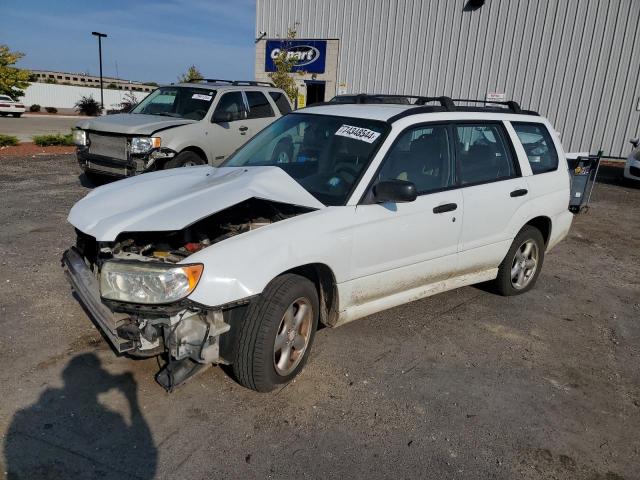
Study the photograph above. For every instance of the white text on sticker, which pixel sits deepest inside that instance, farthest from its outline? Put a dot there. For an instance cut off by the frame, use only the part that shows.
(199, 96)
(358, 133)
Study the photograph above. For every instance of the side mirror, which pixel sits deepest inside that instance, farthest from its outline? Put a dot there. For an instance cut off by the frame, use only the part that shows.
(397, 191)
(635, 142)
(222, 117)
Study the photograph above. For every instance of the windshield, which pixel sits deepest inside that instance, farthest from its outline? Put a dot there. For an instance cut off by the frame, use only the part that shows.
(4, 98)
(327, 155)
(179, 102)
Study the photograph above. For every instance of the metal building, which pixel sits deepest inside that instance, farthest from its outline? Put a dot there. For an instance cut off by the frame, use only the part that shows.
(576, 62)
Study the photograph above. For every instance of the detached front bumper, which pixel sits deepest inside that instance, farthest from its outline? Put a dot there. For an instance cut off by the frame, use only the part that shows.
(85, 285)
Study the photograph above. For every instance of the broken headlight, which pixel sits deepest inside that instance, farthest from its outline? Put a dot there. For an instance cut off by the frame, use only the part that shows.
(140, 145)
(148, 283)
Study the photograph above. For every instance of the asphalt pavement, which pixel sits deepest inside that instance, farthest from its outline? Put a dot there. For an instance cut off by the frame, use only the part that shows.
(29, 125)
(462, 385)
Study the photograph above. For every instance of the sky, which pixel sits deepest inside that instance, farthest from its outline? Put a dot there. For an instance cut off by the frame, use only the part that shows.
(148, 40)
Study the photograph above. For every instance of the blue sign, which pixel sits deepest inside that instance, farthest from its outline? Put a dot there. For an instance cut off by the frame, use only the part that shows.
(310, 55)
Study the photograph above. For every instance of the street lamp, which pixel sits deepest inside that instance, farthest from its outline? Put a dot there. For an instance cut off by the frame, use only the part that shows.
(100, 35)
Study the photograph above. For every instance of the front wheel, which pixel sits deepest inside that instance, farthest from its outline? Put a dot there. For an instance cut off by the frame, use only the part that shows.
(521, 267)
(184, 159)
(275, 338)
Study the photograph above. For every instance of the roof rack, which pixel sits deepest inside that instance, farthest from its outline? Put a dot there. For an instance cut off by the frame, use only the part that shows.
(250, 83)
(446, 104)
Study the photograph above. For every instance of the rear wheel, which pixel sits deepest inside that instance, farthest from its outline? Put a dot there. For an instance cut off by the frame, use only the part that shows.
(17, 115)
(519, 270)
(275, 337)
(185, 159)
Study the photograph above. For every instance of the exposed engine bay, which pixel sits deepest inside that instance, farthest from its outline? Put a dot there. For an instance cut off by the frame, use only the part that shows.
(175, 246)
(192, 335)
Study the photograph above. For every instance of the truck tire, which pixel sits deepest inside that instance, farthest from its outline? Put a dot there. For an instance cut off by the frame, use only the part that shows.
(275, 337)
(16, 115)
(521, 267)
(185, 159)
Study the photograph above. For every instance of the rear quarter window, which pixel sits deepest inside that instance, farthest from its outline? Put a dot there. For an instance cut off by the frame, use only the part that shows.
(538, 145)
(281, 102)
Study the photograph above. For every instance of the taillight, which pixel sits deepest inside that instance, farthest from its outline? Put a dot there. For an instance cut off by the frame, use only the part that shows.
(20, 105)
(5, 105)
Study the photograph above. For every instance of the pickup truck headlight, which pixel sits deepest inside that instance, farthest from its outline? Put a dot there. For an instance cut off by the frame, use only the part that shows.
(80, 138)
(144, 144)
(148, 283)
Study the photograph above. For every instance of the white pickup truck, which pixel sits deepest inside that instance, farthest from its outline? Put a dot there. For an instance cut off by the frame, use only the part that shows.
(378, 205)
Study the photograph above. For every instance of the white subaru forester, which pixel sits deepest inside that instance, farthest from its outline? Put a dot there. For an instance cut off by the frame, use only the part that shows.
(378, 205)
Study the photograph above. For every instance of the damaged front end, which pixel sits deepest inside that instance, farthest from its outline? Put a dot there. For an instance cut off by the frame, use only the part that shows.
(136, 289)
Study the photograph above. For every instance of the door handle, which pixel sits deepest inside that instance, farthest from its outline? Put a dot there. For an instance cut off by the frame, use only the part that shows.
(243, 129)
(519, 193)
(447, 207)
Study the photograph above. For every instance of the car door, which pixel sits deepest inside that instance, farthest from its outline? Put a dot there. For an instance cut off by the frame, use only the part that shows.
(400, 247)
(260, 112)
(228, 129)
(494, 192)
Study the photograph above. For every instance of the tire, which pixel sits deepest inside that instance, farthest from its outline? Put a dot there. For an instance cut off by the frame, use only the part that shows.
(3, 114)
(507, 284)
(16, 115)
(184, 159)
(258, 364)
(283, 153)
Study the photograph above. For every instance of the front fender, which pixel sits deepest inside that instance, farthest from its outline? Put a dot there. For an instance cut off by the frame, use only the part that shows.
(242, 266)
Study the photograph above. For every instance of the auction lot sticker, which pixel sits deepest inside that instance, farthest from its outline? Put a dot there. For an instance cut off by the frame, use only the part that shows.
(358, 133)
(199, 96)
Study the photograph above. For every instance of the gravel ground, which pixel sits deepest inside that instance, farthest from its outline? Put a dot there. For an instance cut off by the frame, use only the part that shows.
(465, 384)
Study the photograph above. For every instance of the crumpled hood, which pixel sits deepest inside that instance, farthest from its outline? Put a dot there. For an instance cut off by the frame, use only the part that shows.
(173, 199)
(131, 123)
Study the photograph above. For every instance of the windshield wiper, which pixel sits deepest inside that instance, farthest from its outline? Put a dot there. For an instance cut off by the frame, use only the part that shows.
(167, 114)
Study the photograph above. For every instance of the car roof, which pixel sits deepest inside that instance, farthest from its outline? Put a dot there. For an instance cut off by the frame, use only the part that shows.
(378, 111)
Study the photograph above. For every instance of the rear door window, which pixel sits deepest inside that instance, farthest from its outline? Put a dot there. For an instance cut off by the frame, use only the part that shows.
(259, 106)
(538, 145)
(232, 103)
(281, 102)
(483, 153)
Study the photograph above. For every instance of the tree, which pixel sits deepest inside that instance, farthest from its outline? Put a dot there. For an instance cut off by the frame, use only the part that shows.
(192, 75)
(88, 106)
(13, 80)
(284, 64)
(129, 102)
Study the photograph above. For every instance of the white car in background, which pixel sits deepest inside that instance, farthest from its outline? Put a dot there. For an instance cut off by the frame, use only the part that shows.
(632, 167)
(8, 106)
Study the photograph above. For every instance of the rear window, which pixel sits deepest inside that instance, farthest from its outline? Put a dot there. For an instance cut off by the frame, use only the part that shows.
(538, 145)
(259, 106)
(281, 102)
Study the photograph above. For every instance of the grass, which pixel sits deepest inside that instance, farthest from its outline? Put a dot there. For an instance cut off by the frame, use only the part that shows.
(8, 140)
(55, 139)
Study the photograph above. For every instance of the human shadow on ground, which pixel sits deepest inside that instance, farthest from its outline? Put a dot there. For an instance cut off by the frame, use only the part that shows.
(68, 433)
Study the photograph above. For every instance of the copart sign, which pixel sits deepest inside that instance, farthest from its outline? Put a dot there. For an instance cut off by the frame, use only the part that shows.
(310, 55)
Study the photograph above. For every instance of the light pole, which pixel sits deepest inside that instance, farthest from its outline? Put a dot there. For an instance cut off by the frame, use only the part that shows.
(100, 35)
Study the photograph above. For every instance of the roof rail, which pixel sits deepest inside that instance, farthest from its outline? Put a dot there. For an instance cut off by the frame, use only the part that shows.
(251, 83)
(447, 103)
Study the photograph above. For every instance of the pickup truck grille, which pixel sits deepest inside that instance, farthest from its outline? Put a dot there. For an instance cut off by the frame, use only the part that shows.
(108, 146)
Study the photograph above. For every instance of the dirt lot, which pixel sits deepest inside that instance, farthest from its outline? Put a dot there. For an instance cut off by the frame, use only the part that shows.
(462, 385)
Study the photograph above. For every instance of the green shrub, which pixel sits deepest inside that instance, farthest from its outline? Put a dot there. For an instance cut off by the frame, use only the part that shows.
(88, 106)
(34, 108)
(54, 139)
(8, 140)
(51, 109)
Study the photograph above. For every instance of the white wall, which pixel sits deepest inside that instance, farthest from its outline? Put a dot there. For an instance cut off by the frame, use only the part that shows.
(66, 96)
